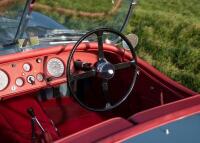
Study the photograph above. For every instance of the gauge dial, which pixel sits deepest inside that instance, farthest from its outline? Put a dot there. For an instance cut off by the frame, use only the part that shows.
(27, 67)
(55, 67)
(40, 77)
(3, 80)
(19, 82)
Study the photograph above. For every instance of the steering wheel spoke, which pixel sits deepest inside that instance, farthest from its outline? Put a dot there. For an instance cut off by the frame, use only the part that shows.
(100, 45)
(84, 75)
(105, 90)
(124, 65)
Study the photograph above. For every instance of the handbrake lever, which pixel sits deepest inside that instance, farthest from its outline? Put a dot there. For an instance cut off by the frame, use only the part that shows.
(31, 112)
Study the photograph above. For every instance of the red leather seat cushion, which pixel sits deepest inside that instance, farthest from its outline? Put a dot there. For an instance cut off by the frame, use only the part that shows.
(98, 131)
(164, 109)
(15, 123)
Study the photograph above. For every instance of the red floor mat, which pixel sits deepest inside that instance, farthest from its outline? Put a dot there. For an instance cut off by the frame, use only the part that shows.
(68, 116)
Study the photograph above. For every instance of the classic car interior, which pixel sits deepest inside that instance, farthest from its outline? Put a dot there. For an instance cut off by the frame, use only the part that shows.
(83, 91)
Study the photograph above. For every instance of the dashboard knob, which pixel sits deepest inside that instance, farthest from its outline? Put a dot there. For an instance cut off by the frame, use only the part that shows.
(38, 60)
(19, 82)
(31, 79)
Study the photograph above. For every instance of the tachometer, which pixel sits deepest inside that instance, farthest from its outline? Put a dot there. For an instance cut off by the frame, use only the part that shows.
(55, 67)
(3, 80)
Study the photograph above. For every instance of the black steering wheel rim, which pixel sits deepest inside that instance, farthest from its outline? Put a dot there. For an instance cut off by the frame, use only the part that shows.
(71, 55)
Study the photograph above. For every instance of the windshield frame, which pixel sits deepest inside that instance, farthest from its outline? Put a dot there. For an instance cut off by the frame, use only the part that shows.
(130, 11)
(23, 21)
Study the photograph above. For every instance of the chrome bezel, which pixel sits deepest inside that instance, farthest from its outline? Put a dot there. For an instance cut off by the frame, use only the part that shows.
(19, 81)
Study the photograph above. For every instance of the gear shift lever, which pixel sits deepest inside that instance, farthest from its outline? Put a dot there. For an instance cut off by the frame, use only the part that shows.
(31, 112)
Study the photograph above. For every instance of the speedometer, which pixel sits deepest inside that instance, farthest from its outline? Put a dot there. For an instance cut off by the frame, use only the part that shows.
(3, 80)
(55, 67)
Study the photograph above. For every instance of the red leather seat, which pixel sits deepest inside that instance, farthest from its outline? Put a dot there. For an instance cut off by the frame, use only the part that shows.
(97, 132)
(15, 123)
(164, 109)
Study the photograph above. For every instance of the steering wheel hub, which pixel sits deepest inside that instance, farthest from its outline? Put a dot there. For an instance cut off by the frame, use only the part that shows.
(105, 70)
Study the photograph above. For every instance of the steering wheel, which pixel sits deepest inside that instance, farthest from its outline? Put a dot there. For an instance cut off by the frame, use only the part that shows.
(103, 69)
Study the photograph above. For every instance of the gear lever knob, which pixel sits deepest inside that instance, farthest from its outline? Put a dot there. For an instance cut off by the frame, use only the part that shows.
(31, 112)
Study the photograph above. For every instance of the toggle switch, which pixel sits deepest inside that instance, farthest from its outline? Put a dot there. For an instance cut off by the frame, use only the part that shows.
(31, 79)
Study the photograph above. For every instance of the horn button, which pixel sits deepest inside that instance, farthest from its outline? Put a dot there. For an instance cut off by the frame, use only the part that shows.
(105, 70)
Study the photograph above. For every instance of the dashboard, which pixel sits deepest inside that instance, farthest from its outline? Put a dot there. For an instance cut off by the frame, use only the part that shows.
(21, 73)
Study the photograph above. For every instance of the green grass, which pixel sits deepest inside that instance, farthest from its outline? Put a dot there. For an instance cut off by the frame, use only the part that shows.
(169, 33)
(82, 5)
(78, 14)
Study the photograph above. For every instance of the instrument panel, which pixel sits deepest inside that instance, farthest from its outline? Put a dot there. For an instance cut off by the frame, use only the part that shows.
(22, 76)
(40, 70)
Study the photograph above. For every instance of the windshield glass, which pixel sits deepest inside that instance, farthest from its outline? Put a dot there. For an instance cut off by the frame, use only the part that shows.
(80, 16)
(61, 20)
(11, 12)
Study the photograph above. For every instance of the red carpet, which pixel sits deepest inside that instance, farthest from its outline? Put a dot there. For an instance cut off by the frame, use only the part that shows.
(68, 116)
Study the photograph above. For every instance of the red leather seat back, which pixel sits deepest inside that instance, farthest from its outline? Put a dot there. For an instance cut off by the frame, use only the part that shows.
(15, 123)
(165, 109)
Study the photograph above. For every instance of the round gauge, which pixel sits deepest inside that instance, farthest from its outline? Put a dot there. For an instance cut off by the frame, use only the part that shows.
(19, 82)
(3, 80)
(40, 77)
(55, 67)
(27, 67)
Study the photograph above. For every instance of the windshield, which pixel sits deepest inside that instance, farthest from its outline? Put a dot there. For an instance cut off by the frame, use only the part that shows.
(61, 20)
(11, 12)
(80, 16)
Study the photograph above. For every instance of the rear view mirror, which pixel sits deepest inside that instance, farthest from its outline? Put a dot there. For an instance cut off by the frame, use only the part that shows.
(133, 38)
